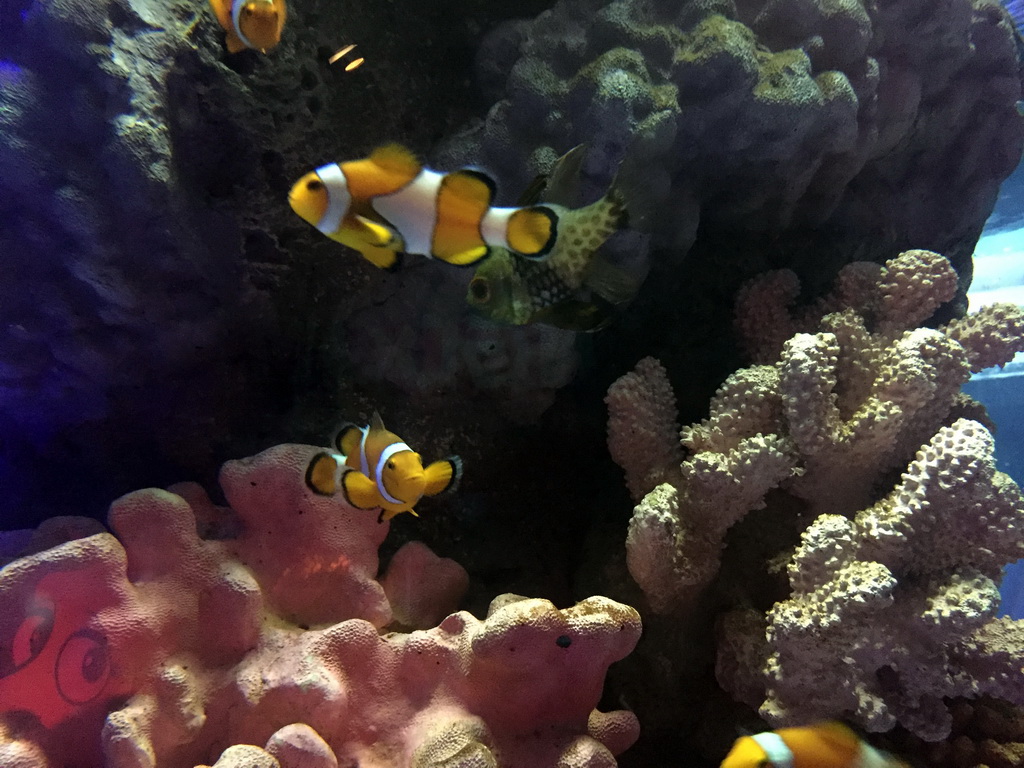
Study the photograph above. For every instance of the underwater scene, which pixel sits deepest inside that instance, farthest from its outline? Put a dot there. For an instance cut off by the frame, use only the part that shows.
(511, 383)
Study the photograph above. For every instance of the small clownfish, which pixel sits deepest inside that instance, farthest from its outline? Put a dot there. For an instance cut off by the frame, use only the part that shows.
(824, 745)
(255, 24)
(389, 204)
(374, 469)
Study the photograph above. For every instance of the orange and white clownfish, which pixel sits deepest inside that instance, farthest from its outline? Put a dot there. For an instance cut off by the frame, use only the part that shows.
(823, 745)
(374, 469)
(388, 204)
(255, 24)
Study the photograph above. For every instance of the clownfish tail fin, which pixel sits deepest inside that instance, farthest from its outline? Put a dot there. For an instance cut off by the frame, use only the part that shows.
(532, 231)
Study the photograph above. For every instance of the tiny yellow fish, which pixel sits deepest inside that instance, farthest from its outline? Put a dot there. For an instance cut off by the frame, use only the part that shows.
(575, 287)
(389, 204)
(254, 24)
(823, 745)
(374, 469)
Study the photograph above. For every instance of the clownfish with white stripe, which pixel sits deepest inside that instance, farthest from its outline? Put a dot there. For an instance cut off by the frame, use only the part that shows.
(389, 204)
(823, 745)
(375, 469)
(254, 24)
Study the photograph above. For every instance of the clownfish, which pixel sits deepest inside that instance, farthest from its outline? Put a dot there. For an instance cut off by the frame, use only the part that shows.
(389, 204)
(823, 745)
(374, 469)
(576, 288)
(255, 24)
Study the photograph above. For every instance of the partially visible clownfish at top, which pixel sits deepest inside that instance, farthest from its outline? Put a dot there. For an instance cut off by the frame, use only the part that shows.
(823, 745)
(254, 24)
(374, 469)
(388, 204)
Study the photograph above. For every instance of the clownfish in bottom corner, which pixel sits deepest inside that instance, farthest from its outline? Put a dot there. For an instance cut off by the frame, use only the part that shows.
(375, 469)
(823, 745)
(254, 24)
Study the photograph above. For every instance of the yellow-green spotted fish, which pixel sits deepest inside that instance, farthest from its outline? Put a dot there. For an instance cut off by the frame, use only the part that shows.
(575, 287)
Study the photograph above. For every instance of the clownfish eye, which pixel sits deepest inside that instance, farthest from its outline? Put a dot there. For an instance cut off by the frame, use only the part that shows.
(83, 667)
(391, 464)
(314, 185)
(479, 289)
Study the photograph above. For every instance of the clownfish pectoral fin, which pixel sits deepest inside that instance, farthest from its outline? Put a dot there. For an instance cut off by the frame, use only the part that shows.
(532, 231)
(443, 476)
(322, 473)
(396, 159)
(359, 490)
(463, 199)
(370, 232)
(348, 438)
(382, 258)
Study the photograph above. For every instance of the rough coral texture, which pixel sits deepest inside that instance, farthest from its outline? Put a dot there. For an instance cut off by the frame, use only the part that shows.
(755, 118)
(893, 587)
(200, 631)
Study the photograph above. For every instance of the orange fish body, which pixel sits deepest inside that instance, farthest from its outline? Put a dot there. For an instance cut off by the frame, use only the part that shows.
(824, 745)
(389, 204)
(254, 24)
(375, 469)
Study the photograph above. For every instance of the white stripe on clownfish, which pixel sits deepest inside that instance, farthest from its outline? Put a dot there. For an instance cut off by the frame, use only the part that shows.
(412, 210)
(495, 225)
(386, 454)
(775, 749)
(339, 198)
(236, 13)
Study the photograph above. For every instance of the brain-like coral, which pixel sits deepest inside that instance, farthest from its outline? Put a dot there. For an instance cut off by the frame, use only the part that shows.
(200, 627)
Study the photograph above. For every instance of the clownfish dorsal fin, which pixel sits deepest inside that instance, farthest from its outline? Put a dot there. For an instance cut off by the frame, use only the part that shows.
(397, 159)
(376, 422)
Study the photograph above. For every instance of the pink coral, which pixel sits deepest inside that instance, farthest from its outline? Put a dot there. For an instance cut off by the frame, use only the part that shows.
(161, 647)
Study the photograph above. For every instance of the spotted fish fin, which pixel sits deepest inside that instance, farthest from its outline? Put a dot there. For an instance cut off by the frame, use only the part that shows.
(323, 473)
(613, 284)
(396, 159)
(360, 491)
(463, 199)
(563, 187)
(532, 231)
(348, 438)
(443, 476)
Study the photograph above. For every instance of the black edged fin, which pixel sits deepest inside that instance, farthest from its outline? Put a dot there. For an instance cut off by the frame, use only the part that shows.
(317, 469)
(345, 432)
(544, 251)
(453, 484)
(609, 282)
(484, 178)
(563, 187)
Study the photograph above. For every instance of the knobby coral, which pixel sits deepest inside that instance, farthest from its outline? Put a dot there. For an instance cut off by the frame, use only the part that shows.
(893, 588)
(198, 627)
